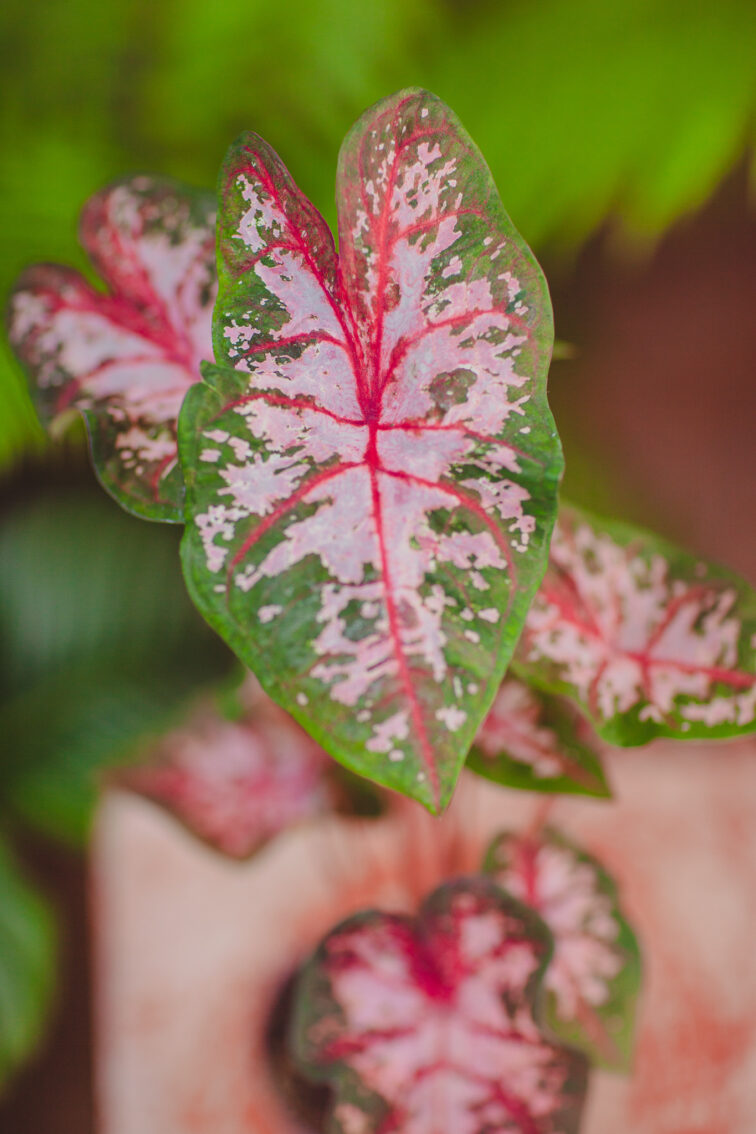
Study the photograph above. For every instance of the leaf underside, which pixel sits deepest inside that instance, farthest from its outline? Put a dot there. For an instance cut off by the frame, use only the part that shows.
(125, 358)
(236, 783)
(425, 1026)
(538, 742)
(647, 639)
(372, 466)
(592, 982)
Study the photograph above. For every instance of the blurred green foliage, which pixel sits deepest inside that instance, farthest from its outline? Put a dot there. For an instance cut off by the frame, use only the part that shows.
(100, 648)
(582, 107)
(27, 965)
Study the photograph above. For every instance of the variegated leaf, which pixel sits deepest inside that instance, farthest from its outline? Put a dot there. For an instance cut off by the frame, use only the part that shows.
(236, 783)
(372, 469)
(538, 742)
(125, 358)
(593, 980)
(426, 1026)
(645, 637)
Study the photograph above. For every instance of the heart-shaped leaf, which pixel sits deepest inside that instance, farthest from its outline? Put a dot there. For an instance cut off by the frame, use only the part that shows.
(538, 742)
(126, 358)
(593, 980)
(236, 783)
(372, 470)
(426, 1026)
(646, 638)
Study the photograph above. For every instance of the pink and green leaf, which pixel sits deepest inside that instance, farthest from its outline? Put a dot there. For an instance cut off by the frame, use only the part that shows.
(647, 639)
(426, 1025)
(236, 783)
(592, 983)
(538, 742)
(372, 466)
(125, 357)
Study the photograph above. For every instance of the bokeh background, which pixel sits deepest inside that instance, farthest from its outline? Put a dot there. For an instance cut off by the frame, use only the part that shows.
(620, 135)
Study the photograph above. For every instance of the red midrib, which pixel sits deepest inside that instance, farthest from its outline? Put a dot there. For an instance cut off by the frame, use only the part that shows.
(424, 744)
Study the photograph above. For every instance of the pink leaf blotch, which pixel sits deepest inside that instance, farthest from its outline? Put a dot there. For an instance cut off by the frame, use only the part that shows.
(593, 980)
(647, 639)
(125, 358)
(236, 783)
(426, 1026)
(372, 467)
(538, 742)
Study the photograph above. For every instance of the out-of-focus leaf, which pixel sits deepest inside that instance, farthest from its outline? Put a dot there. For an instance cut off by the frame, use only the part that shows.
(125, 359)
(534, 741)
(372, 467)
(593, 980)
(236, 783)
(646, 638)
(427, 1025)
(27, 966)
(99, 646)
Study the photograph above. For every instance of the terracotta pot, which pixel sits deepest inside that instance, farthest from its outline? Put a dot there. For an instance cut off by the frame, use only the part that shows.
(192, 950)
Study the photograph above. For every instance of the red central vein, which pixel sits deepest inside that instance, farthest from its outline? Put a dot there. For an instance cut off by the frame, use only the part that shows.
(426, 749)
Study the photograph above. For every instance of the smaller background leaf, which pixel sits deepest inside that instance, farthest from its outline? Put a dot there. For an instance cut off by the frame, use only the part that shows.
(592, 983)
(537, 742)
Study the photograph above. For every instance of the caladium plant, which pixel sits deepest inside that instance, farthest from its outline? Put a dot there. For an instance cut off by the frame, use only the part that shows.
(126, 357)
(372, 466)
(647, 639)
(593, 980)
(429, 1025)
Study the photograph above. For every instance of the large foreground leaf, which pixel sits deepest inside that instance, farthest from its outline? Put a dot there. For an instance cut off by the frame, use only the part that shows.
(27, 966)
(593, 979)
(125, 359)
(372, 468)
(646, 638)
(426, 1026)
(538, 742)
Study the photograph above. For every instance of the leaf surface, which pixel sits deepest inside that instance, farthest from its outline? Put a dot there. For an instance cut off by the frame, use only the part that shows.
(647, 639)
(593, 980)
(538, 742)
(236, 783)
(126, 358)
(426, 1026)
(372, 466)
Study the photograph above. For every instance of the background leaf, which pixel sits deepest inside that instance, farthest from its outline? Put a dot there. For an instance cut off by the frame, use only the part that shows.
(592, 983)
(648, 639)
(537, 742)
